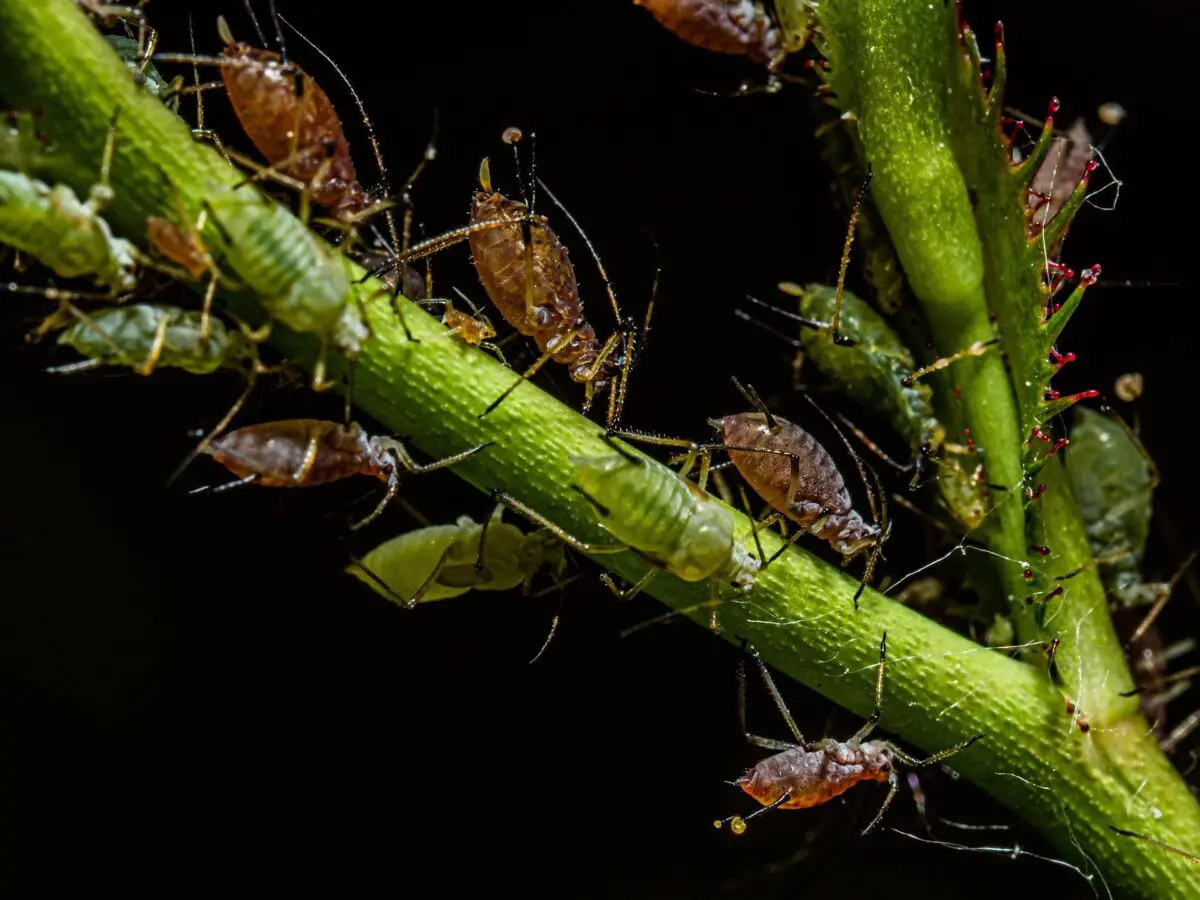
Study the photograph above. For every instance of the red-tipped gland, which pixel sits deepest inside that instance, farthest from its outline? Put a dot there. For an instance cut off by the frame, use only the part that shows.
(957, 394)
(1090, 275)
(1057, 592)
(1091, 167)
(999, 35)
(1058, 445)
(1060, 359)
(1040, 551)
(1033, 494)
(1027, 574)
(1054, 107)
(1037, 432)
(1052, 394)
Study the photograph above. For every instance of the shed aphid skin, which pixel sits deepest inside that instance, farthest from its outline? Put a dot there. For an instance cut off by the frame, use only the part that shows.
(527, 274)
(306, 452)
(662, 517)
(805, 774)
(443, 561)
(65, 234)
(788, 468)
(146, 336)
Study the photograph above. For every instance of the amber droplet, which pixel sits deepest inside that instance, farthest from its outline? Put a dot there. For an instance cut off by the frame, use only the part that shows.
(737, 825)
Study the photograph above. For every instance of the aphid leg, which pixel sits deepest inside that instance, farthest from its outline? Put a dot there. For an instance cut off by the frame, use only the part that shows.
(419, 595)
(873, 719)
(400, 452)
(101, 193)
(979, 348)
(1164, 594)
(54, 321)
(483, 533)
(893, 786)
(156, 349)
(695, 452)
(779, 704)
(525, 376)
(311, 448)
(558, 531)
(633, 590)
(841, 281)
(939, 756)
(1180, 732)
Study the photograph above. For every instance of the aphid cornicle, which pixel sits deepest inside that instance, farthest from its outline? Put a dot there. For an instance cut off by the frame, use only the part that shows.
(805, 774)
(306, 452)
(665, 519)
(442, 561)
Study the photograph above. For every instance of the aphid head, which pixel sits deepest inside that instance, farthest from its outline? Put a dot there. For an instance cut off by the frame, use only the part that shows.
(877, 759)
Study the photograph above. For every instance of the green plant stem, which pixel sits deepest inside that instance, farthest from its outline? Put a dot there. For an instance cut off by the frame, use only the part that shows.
(892, 69)
(941, 688)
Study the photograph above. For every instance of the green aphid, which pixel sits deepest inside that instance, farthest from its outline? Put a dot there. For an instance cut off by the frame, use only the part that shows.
(151, 80)
(438, 562)
(1113, 480)
(64, 233)
(875, 372)
(145, 336)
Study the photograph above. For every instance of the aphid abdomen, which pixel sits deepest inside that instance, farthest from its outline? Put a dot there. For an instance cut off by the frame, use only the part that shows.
(134, 330)
(820, 488)
(553, 309)
(63, 233)
(300, 283)
(741, 27)
(283, 454)
(264, 96)
(813, 777)
(661, 516)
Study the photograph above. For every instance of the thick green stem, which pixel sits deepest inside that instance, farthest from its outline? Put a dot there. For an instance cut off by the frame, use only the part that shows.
(956, 214)
(942, 687)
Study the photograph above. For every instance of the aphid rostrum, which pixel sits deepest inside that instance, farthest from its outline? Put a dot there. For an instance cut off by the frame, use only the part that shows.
(442, 561)
(805, 774)
(662, 517)
(62, 232)
(294, 453)
(527, 274)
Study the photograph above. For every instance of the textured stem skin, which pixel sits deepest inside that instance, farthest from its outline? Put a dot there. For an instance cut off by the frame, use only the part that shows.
(941, 688)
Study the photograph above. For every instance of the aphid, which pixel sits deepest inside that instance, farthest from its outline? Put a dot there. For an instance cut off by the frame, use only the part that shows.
(136, 54)
(738, 27)
(297, 278)
(788, 468)
(877, 371)
(527, 274)
(64, 233)
(307, 452)
(146, 336)
(662, 517)
(25, 149)
(443, 561)
(289, 119)
(1113, 479)
(807, 774)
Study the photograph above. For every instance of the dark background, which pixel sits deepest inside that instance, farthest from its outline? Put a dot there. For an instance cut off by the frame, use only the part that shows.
(193, 695)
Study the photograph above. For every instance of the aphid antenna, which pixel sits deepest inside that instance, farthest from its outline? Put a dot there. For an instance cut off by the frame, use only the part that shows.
(207, 439)
(873, 447)
(385, 185)
(756, 401)
(845, 264)
(758, 323)
(788, 314)
(1157, 843)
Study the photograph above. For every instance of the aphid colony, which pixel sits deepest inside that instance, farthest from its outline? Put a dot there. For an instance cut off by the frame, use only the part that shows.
(241, 240)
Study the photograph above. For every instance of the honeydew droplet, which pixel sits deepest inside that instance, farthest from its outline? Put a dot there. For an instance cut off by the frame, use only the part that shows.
(737, 825)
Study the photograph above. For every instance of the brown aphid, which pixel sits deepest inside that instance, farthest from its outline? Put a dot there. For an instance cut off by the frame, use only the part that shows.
(178, 245)
(534, 287)
(292, 122)
(308, 452)
(739, 27)
(807, 774)
(787, 467)
(472, 330)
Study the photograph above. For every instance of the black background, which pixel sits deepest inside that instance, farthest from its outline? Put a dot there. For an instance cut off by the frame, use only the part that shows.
(194, 695)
